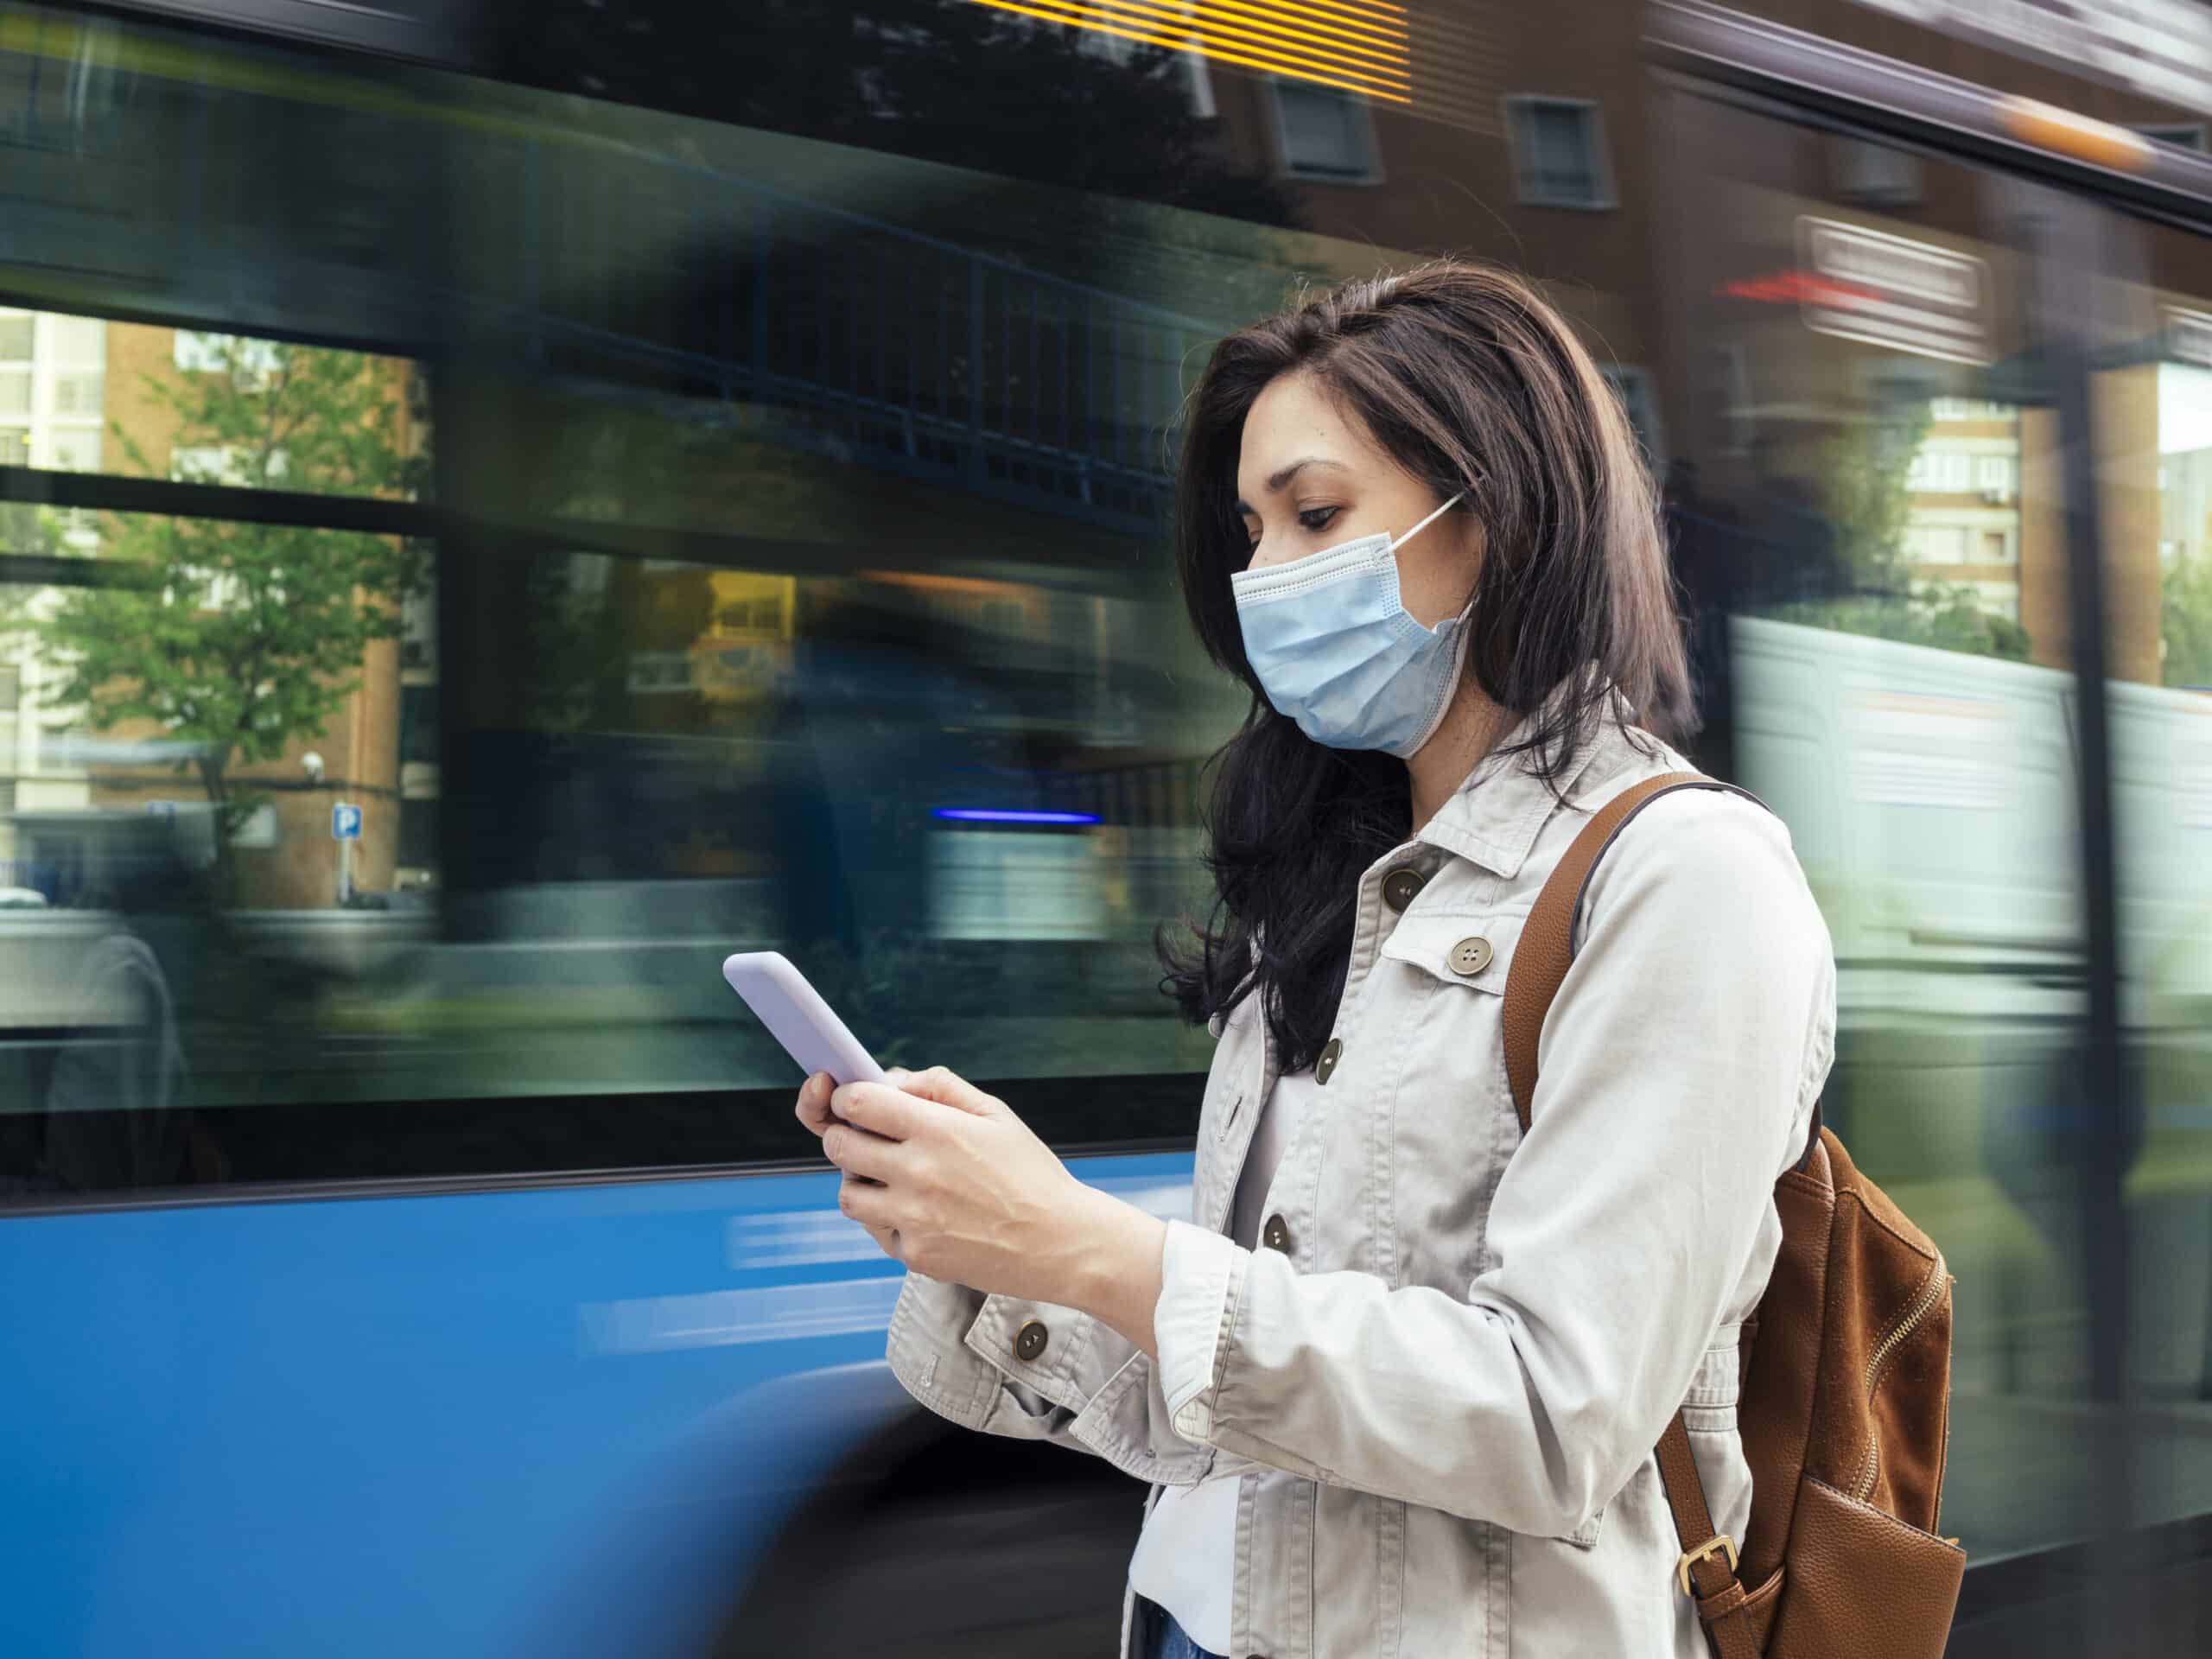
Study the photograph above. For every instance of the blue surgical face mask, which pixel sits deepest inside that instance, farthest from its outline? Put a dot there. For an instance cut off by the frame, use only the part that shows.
(1337, 651)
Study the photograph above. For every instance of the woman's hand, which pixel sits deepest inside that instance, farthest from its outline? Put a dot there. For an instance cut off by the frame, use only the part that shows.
(949, 1180)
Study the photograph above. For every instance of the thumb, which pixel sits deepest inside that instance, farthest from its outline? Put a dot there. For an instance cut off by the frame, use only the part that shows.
(948, 1088)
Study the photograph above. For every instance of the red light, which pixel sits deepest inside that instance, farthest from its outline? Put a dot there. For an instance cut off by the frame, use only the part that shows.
(1795, 288)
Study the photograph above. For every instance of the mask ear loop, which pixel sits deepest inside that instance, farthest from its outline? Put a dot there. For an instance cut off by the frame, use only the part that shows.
(1466, 612)
(1426, 523)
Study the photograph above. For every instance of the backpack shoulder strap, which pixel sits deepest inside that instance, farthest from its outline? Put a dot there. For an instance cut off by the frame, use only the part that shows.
(1545, 951)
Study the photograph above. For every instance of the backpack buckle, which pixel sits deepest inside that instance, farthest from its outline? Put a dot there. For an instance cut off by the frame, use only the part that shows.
(1722, 1543)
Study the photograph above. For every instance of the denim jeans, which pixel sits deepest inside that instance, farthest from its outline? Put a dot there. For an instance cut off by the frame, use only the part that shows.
(1169, 1641)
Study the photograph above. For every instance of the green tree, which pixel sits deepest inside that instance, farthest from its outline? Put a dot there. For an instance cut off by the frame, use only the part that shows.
(240, 639)
(2185, 622)
(1866, 499)
(1947, 617)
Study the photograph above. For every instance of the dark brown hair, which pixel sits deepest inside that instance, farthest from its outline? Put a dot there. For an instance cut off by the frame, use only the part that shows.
(1466, 377)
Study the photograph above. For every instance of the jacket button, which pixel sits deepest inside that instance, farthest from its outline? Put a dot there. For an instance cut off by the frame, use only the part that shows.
(1401, 885)
(1276, 1234)
(1472, 955)
(1326, 1067)
(1031, 1342)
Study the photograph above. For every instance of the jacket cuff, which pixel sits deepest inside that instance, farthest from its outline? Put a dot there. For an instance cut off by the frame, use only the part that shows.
(1064, 1370)
(1201, 1277)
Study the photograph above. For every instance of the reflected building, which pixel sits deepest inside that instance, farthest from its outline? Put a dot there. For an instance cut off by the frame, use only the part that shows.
(88, 396)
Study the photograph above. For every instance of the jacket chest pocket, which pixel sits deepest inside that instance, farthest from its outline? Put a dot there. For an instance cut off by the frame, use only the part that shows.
(1435, 1025)
(1458, 964)
(1437, 1022)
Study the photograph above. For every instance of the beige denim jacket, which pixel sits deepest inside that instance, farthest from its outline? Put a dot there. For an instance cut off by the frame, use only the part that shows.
(1440, 1387)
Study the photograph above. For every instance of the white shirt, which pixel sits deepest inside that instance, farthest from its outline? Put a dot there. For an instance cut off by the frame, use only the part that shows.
(1186, 1559)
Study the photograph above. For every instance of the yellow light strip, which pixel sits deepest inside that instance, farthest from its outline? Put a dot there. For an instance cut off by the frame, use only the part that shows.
(1328, 20)
(2085, 138)
(1220, 22)
(1393, 64)
(1191, 40)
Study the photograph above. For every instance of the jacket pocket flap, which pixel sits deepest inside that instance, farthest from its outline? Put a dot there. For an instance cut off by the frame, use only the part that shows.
(1475, 950)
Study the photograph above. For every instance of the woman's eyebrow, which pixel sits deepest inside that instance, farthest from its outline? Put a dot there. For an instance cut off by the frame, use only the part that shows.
(1278, 480)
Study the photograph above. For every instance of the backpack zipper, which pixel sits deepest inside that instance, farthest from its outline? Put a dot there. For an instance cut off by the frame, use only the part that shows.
(1922, 1304)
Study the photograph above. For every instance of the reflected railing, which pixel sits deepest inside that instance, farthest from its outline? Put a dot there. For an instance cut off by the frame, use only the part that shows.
(619, 270)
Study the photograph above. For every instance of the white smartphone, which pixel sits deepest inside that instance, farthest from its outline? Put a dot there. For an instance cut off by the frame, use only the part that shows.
(796, 1017)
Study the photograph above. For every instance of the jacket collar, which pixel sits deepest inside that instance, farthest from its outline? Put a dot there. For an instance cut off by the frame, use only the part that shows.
(1495, 817)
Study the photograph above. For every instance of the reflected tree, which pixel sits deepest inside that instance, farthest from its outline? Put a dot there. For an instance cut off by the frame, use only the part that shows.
(241, 639)
(2185, 623)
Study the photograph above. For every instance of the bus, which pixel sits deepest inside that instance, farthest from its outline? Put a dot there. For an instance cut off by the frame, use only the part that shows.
(503, 507)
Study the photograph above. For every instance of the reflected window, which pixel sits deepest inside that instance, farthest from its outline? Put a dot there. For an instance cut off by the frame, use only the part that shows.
(1326, 135)
(1558, 152)
(1879, 175)
(2184, 484)
(2186, 135)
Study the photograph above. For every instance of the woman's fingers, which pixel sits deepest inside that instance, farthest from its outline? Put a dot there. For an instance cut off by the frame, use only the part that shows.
(868, 1205)
(949, 1087)
(857, 1152)
(893, 1113)
(813, 1108)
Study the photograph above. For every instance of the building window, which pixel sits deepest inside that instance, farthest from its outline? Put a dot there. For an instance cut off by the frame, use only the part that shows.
(418, 725)
(77, 451)
(1632, 386)
(15, 446)
(1558, 152)
(15, 330)
(1993, 474)
(1968, 408)
(1996, 547)
(1325, 134)
(750, 616)
(79, 393)
(1935, 544)
(78, 342)
(1941, 473)
(1876, 174)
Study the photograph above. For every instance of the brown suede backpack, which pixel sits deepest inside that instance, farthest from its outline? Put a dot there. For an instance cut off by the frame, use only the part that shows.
(1846, 1377)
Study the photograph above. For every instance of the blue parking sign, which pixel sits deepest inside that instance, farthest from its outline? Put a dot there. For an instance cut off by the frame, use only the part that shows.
(345, 822)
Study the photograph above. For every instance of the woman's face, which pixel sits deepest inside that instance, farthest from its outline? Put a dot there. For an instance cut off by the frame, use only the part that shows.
(1309, 477)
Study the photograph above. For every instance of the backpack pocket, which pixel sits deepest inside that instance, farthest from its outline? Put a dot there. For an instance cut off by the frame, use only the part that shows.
(1861, 1581)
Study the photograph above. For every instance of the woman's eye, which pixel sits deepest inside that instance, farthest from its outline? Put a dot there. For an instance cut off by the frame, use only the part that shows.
(1317, 518)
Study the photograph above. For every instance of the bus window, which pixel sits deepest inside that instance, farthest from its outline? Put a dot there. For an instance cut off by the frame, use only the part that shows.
(1870, 525)
(2155, 459)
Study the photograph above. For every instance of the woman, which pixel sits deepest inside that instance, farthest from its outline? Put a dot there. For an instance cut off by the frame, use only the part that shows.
(1397, 1384)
